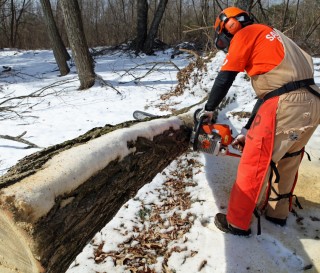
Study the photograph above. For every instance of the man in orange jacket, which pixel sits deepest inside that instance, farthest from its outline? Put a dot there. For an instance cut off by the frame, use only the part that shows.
(284, 118)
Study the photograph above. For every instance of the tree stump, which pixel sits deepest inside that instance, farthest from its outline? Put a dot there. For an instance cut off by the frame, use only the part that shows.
(54, 201)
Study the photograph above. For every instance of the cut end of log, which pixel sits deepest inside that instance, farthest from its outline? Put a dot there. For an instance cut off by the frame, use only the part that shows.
(15, 252)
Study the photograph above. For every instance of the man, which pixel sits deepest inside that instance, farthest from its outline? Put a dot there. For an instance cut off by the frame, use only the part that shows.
(284, 118)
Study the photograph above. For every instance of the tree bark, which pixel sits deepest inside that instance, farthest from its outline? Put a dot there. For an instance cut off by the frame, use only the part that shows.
(83, 60)
(142, 24)
(59, 50)
(155, 26)
(47, 238)
(12, 24)
(285, 13)
(244, 4)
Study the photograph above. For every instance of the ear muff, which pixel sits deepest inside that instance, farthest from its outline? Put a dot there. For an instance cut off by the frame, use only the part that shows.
(232, 25)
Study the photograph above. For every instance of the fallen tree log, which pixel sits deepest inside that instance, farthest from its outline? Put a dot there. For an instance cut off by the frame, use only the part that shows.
(54, 201)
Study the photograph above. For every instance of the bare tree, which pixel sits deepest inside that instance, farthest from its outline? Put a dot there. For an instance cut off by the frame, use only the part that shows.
(295, 19)
(113, 22)
(59, 50)
(142, 24)
(180, 18)
(11, 26)
(244, 4)
(78, 43)
(285, 14)
(204, 12)
(155, 26)
(2, 2)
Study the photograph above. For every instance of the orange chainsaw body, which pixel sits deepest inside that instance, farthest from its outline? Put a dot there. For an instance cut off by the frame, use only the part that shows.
(222, 130)
(212, 138)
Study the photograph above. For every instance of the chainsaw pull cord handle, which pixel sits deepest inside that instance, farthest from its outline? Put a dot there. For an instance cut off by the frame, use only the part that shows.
(197, 128)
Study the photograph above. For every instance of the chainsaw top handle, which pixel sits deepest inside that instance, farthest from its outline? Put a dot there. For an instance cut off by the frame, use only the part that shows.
(197, 128)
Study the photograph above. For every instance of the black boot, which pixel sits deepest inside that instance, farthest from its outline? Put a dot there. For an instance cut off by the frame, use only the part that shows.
(277, 221)
(221, 222)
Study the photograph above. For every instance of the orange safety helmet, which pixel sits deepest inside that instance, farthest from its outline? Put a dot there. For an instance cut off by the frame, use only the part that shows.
(228, 23)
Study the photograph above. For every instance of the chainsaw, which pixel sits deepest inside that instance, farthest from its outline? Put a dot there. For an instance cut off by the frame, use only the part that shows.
(211, 138)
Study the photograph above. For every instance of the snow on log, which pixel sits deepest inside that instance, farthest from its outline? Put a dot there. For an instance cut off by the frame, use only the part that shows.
(54, 201)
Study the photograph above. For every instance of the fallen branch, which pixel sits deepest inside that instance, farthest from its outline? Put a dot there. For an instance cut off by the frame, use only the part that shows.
(192, 52)
(105, 83)
(152, 69)
(196, 29)
(20, 139)
(9, 103)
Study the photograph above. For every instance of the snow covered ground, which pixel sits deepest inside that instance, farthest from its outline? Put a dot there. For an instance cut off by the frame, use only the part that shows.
(168, 226)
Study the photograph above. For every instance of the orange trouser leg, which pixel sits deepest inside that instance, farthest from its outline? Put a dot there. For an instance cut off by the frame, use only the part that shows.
(253, 166)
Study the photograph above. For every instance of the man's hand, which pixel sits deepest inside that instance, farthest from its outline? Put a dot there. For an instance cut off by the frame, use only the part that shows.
(239, 141)
(204, 113)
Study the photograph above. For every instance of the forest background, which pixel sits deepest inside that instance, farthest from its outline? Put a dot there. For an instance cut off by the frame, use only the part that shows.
(141, 25)
(114, 22)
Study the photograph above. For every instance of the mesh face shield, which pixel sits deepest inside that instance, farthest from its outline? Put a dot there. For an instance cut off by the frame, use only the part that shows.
(222, 41)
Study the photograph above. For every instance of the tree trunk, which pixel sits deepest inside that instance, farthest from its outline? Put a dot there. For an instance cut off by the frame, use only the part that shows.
(54, 201)
(155, 26)
(285, 13)
(142, 24)
(78, 43)
(204, 12)
(12, 24)
(295, 20)
(59, 50)
(244, 4)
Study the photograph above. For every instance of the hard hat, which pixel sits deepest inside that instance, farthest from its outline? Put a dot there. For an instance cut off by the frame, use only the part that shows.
(228, 23)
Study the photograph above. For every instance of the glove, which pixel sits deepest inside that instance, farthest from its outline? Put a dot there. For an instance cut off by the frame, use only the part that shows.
(199, 113)
(239, 141)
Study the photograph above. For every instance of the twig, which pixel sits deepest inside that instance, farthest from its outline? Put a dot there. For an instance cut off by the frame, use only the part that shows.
(8, 104)
(202, 265)
(38, 93)
(105, 83)
(20, 139)
(195, 54)
(196, 29)
(152, 69)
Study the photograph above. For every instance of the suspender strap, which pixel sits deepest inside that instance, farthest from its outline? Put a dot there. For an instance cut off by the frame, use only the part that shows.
(282, 196)
(276, 172)
(314, 92)
(309, 157)
(292, 154)
(257, 214)
(292, 86)
(279, 196)
(274, 167)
